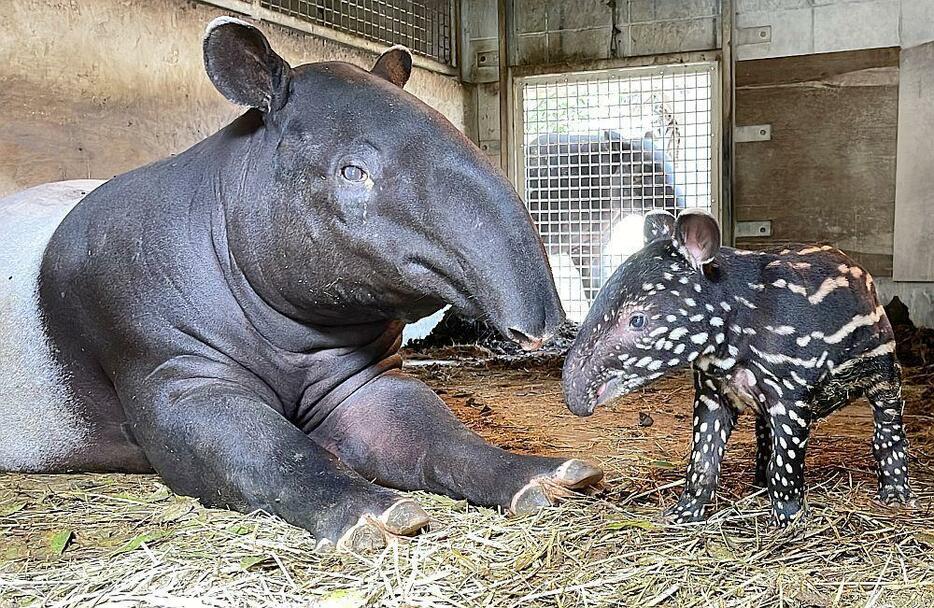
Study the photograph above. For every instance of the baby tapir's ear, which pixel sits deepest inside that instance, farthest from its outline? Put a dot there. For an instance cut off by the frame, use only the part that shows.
(394, 65)
(659, 224)
(697, 237)
(242, 65)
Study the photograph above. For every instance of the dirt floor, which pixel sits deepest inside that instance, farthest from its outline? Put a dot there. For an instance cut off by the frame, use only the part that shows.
(120, 540)
(520, 407)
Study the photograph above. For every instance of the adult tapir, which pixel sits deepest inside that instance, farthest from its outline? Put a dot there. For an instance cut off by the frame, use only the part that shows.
(230, 317)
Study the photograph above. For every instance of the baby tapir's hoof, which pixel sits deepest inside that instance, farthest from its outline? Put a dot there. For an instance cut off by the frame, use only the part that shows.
(895, 495)
(545, 490)
(687, 511)
(786, 512)
(403, 518)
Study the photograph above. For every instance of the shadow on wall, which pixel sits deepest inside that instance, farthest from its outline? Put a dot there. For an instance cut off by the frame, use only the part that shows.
(95, 88)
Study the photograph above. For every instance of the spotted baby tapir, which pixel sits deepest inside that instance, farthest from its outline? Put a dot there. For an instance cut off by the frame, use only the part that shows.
(791, 334)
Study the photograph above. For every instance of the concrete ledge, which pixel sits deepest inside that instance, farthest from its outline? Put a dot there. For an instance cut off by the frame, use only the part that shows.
(917, 296)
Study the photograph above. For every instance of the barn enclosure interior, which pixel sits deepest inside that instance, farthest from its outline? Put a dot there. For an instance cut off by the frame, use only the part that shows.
(796, 124)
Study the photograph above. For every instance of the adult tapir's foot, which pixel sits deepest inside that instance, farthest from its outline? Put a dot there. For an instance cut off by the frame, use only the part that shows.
(545, 490)
(372, 532)
(395, 431)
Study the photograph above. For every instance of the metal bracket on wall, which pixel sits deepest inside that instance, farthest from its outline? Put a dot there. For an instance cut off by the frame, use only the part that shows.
(487, 59)
(481, 60)
(753, 229)
(490, 146)
(754, 35)
(748, 133)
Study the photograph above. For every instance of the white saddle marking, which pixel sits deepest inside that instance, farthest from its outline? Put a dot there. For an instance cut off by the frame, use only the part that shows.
(39, 426)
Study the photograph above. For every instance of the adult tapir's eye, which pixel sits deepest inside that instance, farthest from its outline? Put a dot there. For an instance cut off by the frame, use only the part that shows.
(637, 321)
(353, 173)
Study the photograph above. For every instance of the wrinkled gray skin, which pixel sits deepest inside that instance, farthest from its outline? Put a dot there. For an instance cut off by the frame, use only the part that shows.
(231, 316)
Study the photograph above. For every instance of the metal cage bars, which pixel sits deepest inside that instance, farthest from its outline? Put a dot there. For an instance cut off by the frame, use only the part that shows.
(425, 26)
(596, 150)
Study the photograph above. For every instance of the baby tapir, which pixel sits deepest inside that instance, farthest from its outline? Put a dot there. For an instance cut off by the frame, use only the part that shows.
(791, 334)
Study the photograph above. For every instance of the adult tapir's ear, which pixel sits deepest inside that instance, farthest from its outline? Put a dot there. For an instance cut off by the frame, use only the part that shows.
(659, 224)
(394, 65)
(242, 65)
(697, 236)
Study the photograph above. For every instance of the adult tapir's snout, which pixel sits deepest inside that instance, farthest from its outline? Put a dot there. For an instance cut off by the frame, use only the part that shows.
(525, 307)
(497, 247)
(515, 287)
(531, 325)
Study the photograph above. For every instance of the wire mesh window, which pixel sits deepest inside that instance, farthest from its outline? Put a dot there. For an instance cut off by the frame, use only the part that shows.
(600, 149)
(425, 26)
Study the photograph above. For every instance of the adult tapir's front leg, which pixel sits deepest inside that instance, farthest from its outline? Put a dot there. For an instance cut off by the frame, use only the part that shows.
(396, 431)
(714, 419)
(220, 441)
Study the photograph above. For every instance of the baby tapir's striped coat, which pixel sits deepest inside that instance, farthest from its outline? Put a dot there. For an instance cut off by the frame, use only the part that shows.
(791, 334)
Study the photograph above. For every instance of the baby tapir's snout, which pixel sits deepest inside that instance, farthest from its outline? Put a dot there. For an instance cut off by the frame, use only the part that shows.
(789, 334)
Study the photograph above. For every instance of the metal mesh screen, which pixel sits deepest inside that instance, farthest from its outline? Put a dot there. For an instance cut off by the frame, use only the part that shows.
(424, 26)
(598, 150)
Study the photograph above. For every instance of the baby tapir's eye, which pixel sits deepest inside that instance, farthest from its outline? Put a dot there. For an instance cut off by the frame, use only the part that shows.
(353, 173)
(637, 321)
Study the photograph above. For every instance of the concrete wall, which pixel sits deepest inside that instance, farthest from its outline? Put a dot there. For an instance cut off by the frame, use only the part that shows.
(555, 32)
(914, 202)
(914, 194)
(579, 31)
(95, 88)
(894, 237)
(916, 22)
(800, 27)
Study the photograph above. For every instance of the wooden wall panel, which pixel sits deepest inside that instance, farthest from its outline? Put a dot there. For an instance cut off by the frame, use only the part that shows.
(828, 173)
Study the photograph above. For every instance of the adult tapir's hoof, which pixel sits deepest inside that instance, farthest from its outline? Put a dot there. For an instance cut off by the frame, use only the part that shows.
(403, 518)
(545, 490)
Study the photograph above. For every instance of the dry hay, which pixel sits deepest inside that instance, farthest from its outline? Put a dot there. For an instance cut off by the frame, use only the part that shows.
(120, 540)
(123, 540)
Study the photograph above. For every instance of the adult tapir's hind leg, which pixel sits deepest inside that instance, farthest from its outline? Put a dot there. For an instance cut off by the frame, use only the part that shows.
(889, 444)
(220, 440)
(396, 431)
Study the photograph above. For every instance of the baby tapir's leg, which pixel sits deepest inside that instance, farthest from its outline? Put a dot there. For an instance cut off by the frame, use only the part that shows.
(763, 452)
(714, 419)
(889, 444)
(789, 425)
(396, 431)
